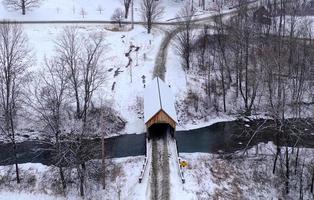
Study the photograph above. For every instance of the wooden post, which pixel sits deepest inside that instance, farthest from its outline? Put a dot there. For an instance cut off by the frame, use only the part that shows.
(131, 72)
(132, 14)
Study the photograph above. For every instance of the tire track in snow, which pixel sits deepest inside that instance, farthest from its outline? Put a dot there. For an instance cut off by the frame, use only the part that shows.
(160, 188)
(161, 59)
(165, 171)
(154, 174)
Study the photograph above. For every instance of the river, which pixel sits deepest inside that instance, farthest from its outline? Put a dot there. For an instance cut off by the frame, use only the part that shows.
(220, 137)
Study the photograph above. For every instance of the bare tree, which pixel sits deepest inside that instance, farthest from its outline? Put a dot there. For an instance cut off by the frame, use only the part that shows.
(117, 16)
(22, 5)
(126, 4)
(185, 38)
(47, 98)
(222, 58)
(100, 9)
(82, 61)
(312, 181)
(14, 61)
(151, 11)
(246, 58)
(83, 13)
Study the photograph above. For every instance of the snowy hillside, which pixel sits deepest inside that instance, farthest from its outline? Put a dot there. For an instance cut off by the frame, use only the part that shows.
(118, 80)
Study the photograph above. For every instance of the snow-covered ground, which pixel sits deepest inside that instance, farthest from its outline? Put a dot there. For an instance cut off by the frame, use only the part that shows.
(127, 95)
(25, 196)
(119, 91)
(208, 176)
(98, 10)
(180, 84)
(41, 182)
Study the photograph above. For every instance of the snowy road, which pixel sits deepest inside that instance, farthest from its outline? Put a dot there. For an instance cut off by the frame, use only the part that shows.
(161, 59)
(162, 23)
(199, 23)
(160, 169)
(165, 181)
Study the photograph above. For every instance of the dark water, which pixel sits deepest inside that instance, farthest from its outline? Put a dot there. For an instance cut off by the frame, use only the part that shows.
(208, 139)
(232, 136)
(225, 137)
(29, 151)
(42, 152)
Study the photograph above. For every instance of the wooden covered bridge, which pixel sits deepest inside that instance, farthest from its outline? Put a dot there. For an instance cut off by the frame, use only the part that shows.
(160, 118)
(159, 109)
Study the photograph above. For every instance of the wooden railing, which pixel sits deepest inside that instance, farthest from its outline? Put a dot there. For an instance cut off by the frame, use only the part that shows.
(143, 170)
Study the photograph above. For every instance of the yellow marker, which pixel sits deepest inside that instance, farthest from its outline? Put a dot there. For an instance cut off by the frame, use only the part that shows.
(183, 163)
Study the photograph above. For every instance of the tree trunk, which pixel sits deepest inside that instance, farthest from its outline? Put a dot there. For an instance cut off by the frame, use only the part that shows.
(62, 179)
(149, 26)
(237, 75)
(23, 7)
(296, 161)
(103, 161)
(301, 183)
(82, 186)
(223, 89)
(312, 183)
(287, 170)
(82, 178)
(61, 173)
(16, 164)
(188, 48)
(126, 9)
(247, 111)
(276, 158)
(14, 148)
(224, 62)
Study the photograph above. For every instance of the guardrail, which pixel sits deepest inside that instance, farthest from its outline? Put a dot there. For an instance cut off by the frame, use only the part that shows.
(143, 170)
(144, 167)
(181, 173)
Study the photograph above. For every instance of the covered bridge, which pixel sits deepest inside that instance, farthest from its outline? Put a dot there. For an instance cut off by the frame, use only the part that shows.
(159, 106)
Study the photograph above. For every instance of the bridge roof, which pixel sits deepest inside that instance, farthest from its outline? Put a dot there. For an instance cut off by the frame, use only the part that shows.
(158, 96)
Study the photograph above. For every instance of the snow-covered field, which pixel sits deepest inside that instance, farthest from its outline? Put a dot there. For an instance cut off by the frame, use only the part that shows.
(119, 91)
(98, 10)
(211, 176)
(41, 182)
(208, 176)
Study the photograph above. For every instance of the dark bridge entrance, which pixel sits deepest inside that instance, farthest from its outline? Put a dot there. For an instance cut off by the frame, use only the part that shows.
(159, 131)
